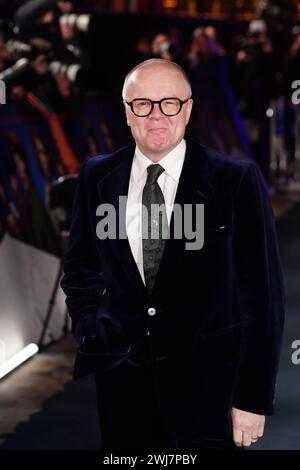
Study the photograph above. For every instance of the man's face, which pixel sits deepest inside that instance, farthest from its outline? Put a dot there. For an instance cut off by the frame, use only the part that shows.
(157, 42)
(156, 135)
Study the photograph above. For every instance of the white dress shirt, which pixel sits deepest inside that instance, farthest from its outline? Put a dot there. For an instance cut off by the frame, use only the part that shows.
(168, 182)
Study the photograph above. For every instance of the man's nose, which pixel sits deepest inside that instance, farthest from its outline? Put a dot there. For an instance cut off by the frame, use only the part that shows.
(156, 112)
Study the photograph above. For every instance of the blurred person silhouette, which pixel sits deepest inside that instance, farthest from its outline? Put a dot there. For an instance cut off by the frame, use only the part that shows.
(50, 167)
(254, 83)
(291, 109)
(160, 47)
(216, 120)
(36, 227)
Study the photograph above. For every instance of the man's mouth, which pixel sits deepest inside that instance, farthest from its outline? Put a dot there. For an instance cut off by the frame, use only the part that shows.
(157, 129)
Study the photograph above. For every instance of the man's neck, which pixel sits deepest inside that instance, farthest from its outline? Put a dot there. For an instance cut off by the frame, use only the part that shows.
(156, 157)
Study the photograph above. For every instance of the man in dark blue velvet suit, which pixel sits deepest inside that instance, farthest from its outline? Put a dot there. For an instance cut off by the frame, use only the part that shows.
(185, 350)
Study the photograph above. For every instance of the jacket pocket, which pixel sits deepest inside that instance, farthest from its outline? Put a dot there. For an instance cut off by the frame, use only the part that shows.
(215, 348)
(233, 329)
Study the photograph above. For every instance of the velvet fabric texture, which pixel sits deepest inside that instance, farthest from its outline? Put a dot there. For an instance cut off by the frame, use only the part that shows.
(217, 332)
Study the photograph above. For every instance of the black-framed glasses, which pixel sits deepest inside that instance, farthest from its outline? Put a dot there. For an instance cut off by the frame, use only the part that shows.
(142, 107)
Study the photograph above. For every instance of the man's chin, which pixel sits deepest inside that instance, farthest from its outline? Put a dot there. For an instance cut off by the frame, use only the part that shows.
(159, 147)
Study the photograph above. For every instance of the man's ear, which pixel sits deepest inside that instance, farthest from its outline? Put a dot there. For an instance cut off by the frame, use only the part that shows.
(189, 110)
(127, 113)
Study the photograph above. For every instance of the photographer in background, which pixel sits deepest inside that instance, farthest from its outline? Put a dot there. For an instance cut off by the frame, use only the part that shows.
(3, 54)
(168, 46)
(255, 84)
(45, 50)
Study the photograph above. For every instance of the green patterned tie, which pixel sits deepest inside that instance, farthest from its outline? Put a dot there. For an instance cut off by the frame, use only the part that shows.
(154, 225)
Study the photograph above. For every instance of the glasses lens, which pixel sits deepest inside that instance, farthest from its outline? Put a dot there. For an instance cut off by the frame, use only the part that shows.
(170, 106)
(141, 107)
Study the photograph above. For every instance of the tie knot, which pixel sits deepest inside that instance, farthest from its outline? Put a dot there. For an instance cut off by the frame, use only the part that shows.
(154, 171)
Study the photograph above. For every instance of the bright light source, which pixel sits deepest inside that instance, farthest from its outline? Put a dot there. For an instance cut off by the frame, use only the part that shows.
(270, 112)
(17, 359)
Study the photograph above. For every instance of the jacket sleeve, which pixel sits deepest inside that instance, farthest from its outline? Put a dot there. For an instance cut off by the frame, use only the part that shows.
(82, 281)
(260, 295)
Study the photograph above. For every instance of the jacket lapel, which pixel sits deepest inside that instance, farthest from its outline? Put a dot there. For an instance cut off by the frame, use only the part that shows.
(194, 187)
(112, 189)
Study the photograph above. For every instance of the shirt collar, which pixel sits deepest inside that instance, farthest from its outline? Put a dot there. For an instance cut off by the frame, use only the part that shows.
(172, 162)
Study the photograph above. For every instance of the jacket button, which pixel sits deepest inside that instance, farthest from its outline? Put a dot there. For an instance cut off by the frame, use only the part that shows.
(151, 311)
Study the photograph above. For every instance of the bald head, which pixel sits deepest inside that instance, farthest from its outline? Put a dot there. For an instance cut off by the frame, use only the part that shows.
(156, 67)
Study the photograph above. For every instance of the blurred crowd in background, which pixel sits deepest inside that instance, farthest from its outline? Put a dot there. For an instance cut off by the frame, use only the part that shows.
(63, 63)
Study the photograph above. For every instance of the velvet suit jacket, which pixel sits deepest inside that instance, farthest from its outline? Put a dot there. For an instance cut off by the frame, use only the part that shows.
(217, 333)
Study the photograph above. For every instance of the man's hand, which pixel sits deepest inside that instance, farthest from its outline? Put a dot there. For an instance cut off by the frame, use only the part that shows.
(247, 427)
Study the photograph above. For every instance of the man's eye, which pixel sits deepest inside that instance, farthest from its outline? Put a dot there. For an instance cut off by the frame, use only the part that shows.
(142, 103)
